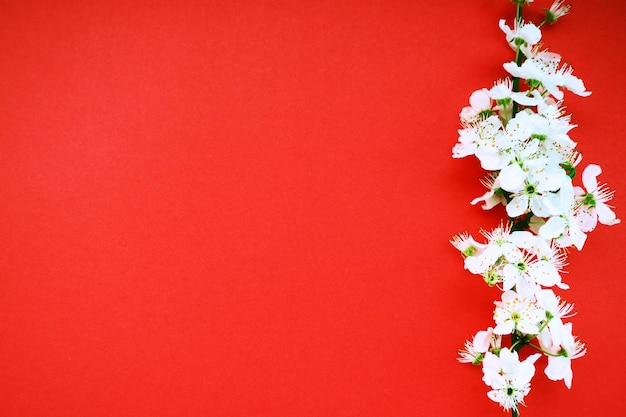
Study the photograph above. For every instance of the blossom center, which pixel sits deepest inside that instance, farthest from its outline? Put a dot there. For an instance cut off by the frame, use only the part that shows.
(589, 200)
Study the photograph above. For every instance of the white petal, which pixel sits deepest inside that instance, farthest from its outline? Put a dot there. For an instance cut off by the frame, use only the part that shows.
(577, 236)
(553, 228)
(490, 200)
(480, 100)
(517, 206)
(482, 340)
(479, 264)
(576, 85)
(504, 27)
(530, 33)
(559, 368)
(541, 206)
(504, 328)
(514, 70)
(489, 160)
(512, 178)
(589, 177)
(606, 215)
(586, 218)
(510, 274)
(512, 252)
(523, 99)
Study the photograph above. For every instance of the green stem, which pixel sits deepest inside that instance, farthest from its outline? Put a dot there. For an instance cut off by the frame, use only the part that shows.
(545, 323)
(517, 340)
(518, 58)
(556, 355)
(514, 413)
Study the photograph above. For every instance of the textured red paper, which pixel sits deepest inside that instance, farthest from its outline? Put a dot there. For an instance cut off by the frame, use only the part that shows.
(242, 208)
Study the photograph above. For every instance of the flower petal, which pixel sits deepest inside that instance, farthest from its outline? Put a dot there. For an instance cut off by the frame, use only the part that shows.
(606, 216)
(512, 178)
(589, 177)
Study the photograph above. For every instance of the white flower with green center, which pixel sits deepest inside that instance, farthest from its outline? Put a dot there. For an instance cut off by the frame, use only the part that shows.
(593, 207)
(523, 35)
(549, 131)
(532, 190)
(527, 275)
(499, 246)
(560, 358)
(565, 228)
(508, 378)
(556, 11)
(475, 350)
(517, 312)
(467, 245)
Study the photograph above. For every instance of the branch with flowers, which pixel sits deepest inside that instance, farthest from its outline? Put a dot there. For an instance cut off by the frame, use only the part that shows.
(519, 132)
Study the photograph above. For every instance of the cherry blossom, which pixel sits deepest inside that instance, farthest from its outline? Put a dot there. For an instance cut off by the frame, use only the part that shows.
(519, 132)
(508, 378)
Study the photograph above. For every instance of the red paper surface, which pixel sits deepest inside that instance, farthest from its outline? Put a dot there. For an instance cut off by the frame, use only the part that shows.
(242, 208)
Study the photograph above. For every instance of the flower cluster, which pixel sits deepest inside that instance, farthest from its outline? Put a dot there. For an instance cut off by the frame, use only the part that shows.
(521, 138)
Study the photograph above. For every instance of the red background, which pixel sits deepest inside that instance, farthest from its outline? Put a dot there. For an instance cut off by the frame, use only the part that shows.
(242, 208)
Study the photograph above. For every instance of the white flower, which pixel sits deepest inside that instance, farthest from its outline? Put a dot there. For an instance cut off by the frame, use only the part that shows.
(467, 245)
(508, 377)
(499, 245)
(526, 274)
(550, 129)
(593, 207)
(523, 34)
(521, 138)
(475, 350)
(564, 228)
(516, 312)
(560, 367)
(554, 112)
(480, 106)
(573, 83)
(479, 139)
(556, 310)
(512, 141)
(503, 90)
(542, 69)
(516, 275)
(557, 10)
(532, 188)
(491, 198)
(530, 70)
